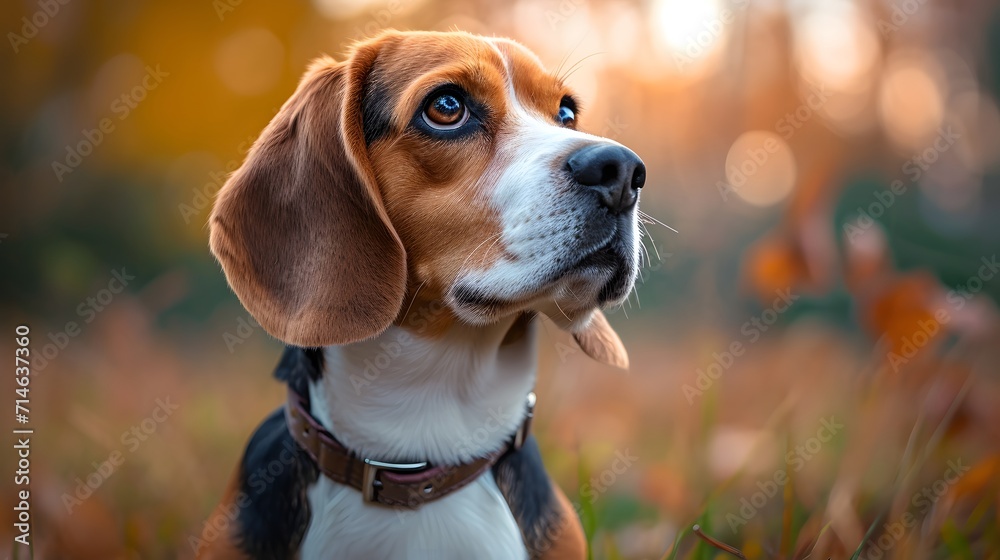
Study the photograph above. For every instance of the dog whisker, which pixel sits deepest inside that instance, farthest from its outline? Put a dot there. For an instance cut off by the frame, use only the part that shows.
(565, 59)
(644, 253)
(494, 238)
(561, 311)
(576, 297)
(414, 300)
(577, 65)
(651, 219)
(652, 241)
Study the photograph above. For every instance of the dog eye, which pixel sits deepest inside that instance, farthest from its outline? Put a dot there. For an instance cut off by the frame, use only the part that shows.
(567, 115)
(446, 112)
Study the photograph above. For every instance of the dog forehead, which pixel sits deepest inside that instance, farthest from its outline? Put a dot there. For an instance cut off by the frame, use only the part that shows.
(409, 59)
(496, 69)
(533, 85)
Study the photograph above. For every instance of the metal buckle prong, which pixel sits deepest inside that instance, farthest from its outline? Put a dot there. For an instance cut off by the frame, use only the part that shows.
(522, 431)
(372, 467)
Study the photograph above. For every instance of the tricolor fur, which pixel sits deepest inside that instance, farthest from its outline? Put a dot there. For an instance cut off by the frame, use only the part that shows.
(412, 262)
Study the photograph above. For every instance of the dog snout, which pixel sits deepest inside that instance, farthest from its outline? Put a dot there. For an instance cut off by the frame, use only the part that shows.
(614, 172)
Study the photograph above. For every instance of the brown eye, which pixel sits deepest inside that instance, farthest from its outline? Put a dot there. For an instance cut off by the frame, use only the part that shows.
(446, 112)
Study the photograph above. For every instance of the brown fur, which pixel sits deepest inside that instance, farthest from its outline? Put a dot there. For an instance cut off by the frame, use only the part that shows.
(324, 238)
(224, 546)
(599, 341)
(300, 228)
(568, 541)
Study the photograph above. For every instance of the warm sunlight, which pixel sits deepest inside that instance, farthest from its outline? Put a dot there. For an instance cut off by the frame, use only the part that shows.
(691, 30)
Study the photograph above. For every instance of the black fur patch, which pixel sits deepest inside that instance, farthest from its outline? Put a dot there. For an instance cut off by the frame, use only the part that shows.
(525, 485)
(376, 109)
(276, 472)
(299, 366)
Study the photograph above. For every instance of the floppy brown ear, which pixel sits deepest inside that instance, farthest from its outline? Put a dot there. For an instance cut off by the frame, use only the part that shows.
(599, 341)
(300, 228)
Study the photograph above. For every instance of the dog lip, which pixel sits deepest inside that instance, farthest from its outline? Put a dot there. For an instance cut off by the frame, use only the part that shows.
(609, 256)
(603, 255)
(471, 297)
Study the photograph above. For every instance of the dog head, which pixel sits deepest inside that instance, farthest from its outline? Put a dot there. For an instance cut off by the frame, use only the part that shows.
(431, 166)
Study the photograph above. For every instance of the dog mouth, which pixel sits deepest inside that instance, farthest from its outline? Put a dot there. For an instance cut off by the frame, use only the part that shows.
(600, 276)
(610, 263)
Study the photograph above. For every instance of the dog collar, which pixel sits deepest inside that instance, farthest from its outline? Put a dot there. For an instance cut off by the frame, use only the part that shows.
(407, 485)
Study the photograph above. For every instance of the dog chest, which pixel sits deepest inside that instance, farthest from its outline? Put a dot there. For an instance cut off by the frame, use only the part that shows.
(474, 522)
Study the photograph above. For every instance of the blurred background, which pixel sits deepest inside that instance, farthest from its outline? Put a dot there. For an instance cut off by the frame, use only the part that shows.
(815, 363)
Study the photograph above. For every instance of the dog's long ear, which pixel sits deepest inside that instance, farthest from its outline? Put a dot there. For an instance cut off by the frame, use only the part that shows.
(599, 341)
(300, 228)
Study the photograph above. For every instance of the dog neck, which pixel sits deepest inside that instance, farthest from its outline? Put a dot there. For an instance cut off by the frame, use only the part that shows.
(448, 397)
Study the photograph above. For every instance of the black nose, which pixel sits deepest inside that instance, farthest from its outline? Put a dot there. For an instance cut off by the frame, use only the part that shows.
(613, 171)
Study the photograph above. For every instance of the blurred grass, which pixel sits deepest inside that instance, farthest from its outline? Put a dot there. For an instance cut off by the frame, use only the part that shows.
(695, 462)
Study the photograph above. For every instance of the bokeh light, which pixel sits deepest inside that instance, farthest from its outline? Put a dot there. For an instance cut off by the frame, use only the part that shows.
(690, 31)
(760, 168)
(836, 45)
(911, 98)
(250, 61)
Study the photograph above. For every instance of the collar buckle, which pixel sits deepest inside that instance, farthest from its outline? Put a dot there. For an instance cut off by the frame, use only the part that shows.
(371, 482)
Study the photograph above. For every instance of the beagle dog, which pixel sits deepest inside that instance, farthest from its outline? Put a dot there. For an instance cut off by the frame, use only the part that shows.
(400, 225)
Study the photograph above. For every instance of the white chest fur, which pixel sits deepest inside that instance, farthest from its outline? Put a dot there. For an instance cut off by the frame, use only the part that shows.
(399, 398)
(473, 522)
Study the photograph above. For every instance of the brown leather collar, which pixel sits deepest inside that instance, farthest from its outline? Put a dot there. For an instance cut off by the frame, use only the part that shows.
(407, 485)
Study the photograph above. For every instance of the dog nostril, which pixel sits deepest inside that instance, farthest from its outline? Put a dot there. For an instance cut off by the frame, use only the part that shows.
(609, 174)
(639, 177)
